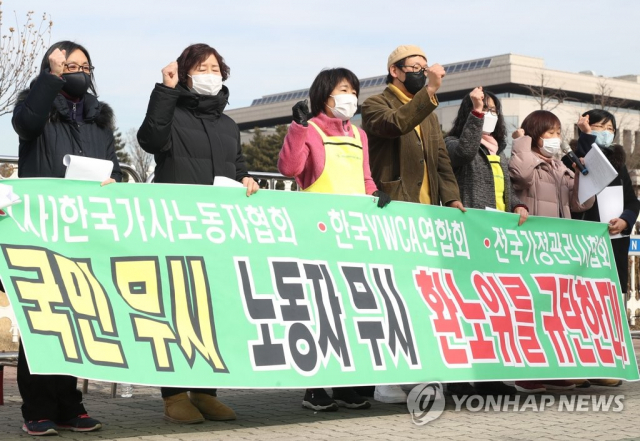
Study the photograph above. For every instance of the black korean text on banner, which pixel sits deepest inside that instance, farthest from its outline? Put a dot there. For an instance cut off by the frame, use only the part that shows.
(382, 320)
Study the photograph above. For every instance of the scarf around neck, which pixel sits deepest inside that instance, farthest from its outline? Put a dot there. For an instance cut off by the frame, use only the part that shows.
(490, 143)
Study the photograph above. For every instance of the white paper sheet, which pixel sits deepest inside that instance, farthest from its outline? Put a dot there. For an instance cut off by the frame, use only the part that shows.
(223, 181)
(7, 196)
(601, 173)
(611, 205)
(82, 168)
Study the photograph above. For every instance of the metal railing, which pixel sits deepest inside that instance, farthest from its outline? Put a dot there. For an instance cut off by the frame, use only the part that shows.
(274, 181)
(129, 170)
(268, 180)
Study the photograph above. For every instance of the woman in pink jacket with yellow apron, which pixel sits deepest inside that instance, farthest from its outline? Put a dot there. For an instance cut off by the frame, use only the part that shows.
(328, 154)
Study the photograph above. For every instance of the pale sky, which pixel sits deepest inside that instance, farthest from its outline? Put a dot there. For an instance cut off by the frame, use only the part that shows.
(276, 46)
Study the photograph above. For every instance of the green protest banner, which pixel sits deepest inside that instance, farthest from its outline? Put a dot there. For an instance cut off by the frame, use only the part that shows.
(199, 286)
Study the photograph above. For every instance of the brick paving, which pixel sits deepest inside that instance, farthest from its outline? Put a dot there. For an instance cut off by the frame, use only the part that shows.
(277, 415)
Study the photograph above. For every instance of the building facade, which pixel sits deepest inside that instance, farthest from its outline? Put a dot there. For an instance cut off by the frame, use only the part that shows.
(523, 84)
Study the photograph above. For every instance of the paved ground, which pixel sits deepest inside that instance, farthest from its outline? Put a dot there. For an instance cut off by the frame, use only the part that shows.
(277, 414)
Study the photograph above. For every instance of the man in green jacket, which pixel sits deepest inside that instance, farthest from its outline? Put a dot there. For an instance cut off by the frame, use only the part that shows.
(407, 154)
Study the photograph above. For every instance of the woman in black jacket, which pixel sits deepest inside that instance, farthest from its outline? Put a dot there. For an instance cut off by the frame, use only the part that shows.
(192, 140)
(598, 127)
(57, 116)
(193, 143)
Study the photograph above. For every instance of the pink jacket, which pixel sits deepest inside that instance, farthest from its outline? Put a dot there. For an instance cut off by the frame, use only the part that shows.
(548, 189)
(302, 154)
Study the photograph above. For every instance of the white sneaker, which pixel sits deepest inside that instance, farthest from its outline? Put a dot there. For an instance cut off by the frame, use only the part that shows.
(390, 394)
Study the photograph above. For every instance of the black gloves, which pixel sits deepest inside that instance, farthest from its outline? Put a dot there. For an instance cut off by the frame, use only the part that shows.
(383, 198)
(301, 113)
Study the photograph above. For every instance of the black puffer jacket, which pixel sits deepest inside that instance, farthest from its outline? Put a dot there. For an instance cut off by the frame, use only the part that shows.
(191, 138)
(47, 133)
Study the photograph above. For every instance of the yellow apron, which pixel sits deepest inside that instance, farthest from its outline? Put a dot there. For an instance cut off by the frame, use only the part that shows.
(498, 180)
(343, 169)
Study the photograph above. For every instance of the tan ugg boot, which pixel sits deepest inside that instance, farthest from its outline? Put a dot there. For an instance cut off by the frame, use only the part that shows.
(178, 409)
(211, 408)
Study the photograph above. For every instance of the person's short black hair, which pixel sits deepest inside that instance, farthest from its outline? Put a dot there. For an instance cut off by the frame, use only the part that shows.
(69, 47)
(601, 116)
(397, 64)
(500, 131)
(325, 82)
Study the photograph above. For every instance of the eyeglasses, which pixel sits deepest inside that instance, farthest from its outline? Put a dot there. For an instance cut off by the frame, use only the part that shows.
(491, 110)
(416, 68)
(598, 126)
(73, 67)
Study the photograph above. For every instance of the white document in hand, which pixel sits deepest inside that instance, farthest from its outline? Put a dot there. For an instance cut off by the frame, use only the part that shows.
(601, 173)
(82, 168)
(611, 205)
(7, 196)
(223, 181)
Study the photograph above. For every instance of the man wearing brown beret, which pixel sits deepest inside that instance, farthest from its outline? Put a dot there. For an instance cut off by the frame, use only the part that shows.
(407, 154)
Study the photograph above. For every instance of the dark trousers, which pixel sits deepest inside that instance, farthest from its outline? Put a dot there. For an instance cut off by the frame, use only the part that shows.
(47, 397)
(171, 391)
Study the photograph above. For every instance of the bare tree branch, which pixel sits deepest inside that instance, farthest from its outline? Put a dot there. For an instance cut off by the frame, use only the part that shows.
(20, 50)
(140, 160)
(603, 98)
(547, 98)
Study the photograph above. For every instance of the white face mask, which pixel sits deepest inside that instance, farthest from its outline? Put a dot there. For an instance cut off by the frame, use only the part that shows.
(550, 146)
(490, 121)
(206, 84)
(346, 106)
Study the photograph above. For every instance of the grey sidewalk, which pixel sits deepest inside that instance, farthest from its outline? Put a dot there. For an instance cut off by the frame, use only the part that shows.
(277, 414)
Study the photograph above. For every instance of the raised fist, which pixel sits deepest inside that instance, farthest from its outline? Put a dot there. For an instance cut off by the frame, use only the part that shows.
(583, 124)
(301, 113)
(435, 74)
(518, 134)
(170, 75)
(477, 98)
(57, 59)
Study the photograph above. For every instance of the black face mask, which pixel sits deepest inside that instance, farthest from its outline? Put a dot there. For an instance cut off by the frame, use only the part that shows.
(414, 81)
(76, 84)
